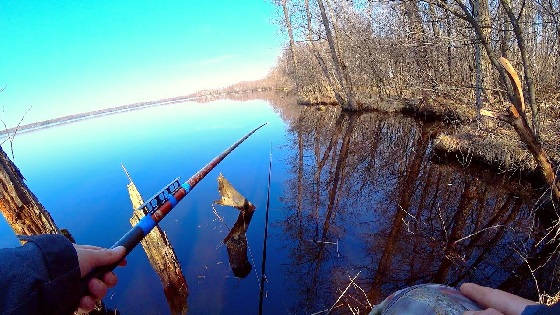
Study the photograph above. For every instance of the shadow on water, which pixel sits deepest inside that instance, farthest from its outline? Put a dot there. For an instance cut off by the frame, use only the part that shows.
(370, 183)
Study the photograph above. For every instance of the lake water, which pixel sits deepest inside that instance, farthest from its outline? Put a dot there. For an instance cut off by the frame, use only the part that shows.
(349, 194)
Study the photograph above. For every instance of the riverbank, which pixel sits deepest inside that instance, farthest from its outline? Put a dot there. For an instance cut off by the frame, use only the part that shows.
(491, 143)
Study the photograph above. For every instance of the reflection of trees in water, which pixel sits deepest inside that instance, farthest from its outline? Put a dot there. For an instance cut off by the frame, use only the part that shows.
(370, 182)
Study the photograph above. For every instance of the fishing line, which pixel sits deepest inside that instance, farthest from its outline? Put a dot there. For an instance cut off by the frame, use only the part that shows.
(253, 262)
(263, 266)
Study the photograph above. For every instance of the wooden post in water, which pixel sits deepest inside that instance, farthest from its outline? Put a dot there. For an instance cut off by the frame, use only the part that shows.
(161, 255)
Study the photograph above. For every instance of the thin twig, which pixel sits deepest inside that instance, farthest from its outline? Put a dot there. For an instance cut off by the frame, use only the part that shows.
(344, 292)
(478, 232)
(365, 295)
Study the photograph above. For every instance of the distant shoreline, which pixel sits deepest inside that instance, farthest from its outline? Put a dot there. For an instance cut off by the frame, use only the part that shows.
(92, 114)
(203, 95)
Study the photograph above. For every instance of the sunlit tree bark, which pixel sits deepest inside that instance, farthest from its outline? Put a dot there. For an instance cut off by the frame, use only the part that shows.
(341, 73)
(21, 208)
(288, 23)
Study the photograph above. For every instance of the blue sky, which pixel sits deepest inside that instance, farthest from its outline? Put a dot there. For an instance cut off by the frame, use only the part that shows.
(62, 57)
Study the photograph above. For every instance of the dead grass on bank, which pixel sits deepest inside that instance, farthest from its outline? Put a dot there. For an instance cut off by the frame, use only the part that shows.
(429, 108)
(499, 148)
(491, 142)
(497, 145)
(550, 300)
(441, 108)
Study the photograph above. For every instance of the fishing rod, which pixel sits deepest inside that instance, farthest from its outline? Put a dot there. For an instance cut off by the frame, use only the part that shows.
(157, 207)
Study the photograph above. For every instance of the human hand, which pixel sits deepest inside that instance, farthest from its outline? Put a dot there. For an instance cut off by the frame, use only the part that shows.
(497, 302)
(90, 257)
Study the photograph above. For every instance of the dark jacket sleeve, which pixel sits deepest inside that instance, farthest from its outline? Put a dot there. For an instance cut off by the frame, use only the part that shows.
(542, 310)
(41, 277)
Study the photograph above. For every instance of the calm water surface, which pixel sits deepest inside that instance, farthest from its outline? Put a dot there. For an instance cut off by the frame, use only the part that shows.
(349, 194)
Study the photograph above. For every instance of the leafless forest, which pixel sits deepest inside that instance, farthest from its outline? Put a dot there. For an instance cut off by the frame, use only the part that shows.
(453, 60)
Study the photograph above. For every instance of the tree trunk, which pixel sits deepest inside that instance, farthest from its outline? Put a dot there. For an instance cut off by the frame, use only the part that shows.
(24, 213)
(292, 44)
(487, 48)
(519, 123)
(486, 26)
(506, 5)
(478, 64)
(317, 55)
(341, 73)
(161, 255)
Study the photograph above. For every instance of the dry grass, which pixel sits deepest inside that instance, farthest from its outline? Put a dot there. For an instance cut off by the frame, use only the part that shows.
(441, 109)
(549, 300)
(493, 144)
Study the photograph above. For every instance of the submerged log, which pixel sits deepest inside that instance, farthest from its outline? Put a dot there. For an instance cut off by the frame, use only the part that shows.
(161, 255)
(236, 240)
(21, 208)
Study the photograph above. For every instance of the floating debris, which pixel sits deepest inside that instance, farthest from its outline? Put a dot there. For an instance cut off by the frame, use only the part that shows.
(231, 197)
(236, 240)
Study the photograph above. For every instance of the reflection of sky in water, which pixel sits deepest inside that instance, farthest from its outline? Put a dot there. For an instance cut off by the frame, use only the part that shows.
(75, 172)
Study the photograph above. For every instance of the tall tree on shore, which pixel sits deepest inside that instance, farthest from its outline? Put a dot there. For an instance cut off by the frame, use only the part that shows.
(340, 70)
(288, 24)
(527, 71)
(315, 51)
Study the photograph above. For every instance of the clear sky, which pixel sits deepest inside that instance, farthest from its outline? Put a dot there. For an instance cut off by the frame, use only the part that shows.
(62, 57)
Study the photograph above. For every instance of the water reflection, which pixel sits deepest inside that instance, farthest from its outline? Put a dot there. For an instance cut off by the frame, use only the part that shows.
(367, 182)
(161, 255)
(236, 243)
(370, 181)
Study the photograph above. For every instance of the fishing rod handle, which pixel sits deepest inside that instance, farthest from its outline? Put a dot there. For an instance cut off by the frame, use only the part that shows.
(128, 241)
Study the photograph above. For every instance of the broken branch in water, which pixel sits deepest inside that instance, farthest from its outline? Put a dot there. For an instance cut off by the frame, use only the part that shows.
(236, 240)
(231, 197)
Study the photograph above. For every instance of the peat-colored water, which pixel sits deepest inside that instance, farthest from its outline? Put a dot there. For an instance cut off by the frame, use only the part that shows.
(350, 194)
